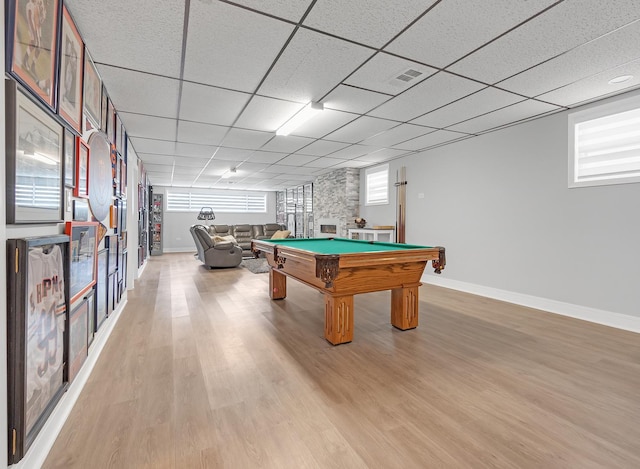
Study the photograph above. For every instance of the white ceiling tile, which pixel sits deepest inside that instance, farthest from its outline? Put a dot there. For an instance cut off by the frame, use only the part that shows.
(138, 92)
(381, 155)
(149, 126)
(156, 159)
(381, 72)
(211, 105)
(247, 139)
(142, 35)
(158, 168)
(440, 89)
(191, 161)
(324, 123)
(361, 129)
(311, 65)
(153, 146)
(397, 134)
(370, 22)
(192, 149)
(352, 164)
(456, 27)
(584, 61)
(595, 86)
(266, 157)
(231, 47)
(179, 171)
(435, 138)
(196, 132)
(297, 160)
(325, 162)
(289, 9)
(252, 167)
(352, 151)
(159, 179)
(322, 148)
(267, 114)
(286, 144)
(563, 27)
(515, 112)
(486, 100)
(351, 99)
(232, 154)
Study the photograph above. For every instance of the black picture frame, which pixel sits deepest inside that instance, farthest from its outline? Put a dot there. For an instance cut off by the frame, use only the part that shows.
(111, 243)
(69, 158)
(34, 159)
(82, 169)
(35, 336)
(78, 346)
(83, 249)
(91, 316)
(101, 310)
(32, 47)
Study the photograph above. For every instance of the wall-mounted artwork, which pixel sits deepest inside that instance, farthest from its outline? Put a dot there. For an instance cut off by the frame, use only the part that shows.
(82, 169)
(69, 158)
(71, 63)
(36, 310)
(92, 95)
(83, 249)
(78, 346)
(34, 147)
(100, 182)
(101, 288)
(32, 46)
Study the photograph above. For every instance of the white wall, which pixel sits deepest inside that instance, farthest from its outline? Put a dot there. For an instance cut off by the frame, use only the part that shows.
(176, 235)
(500, 205)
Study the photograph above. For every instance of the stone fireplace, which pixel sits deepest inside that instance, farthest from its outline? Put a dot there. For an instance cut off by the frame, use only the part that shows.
(336, 202)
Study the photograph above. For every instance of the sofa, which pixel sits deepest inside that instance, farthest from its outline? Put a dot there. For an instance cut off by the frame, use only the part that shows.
(245, 233)
(215, 254)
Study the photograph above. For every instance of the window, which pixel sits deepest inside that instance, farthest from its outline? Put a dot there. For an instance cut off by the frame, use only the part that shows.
(604, 144)
(377, 185)
(240, 203)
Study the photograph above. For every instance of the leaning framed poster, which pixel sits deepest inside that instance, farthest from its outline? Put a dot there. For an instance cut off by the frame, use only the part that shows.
(70, 80)
(83, 249)
(78, 345)
(32, 46)
(101, 288)
(34, 146)
(36, 310)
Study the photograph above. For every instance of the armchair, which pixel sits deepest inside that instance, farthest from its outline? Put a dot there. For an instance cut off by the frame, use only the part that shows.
(215, 255)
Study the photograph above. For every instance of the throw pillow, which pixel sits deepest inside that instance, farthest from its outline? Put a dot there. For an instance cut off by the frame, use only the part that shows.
(224, 239)
(281, 234)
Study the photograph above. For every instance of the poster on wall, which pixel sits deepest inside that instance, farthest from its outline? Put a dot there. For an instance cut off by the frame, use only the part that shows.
(36, 310)
(71, 63)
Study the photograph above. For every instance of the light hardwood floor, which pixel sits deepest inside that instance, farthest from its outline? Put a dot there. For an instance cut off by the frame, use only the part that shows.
(203, 370)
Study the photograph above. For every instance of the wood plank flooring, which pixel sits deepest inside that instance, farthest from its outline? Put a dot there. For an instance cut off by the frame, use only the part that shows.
(204, 371)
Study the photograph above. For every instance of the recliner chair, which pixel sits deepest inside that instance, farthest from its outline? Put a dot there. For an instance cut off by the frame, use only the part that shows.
(215, 255)
(243, 235)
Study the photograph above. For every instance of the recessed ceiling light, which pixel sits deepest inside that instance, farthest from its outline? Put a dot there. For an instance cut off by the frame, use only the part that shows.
(620, 79)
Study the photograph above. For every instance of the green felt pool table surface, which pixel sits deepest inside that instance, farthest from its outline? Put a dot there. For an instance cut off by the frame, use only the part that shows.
(340, 245)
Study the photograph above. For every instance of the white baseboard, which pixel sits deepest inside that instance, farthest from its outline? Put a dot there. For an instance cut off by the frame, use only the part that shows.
(607, 318)
(43, 443)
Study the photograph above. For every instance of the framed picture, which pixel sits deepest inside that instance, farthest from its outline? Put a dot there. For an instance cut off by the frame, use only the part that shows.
(92, 95)
(32, 46)
(82, 169)
(123, 178)
(119, 134)
(100, 182)
(80, 210)
(78, 346)
(34, 146)
(91, 315)
(69, 158)
(111, 243)
(104, 109)
(83, 248)
(123, 216)
(35, 332)
(116, 180)
(70, 80)
(110, 121)
(101, 288)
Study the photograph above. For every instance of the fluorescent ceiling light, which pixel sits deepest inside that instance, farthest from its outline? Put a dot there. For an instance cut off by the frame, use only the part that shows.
(620, 79)
(300, 118)
(229, 173)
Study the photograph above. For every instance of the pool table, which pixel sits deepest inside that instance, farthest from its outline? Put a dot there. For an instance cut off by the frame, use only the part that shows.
(341, 268)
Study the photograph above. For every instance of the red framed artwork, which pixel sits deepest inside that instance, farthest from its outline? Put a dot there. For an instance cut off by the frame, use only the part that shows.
(83, 252)
(82, 169)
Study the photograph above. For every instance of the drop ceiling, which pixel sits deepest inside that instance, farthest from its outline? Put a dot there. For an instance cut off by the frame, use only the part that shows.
(202, 85)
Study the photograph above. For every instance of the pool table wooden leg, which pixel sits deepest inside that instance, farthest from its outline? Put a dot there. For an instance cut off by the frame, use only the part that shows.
(277, 285)
(338, 318)
(404, 307)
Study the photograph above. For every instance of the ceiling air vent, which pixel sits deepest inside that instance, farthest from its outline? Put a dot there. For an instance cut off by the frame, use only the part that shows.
(405, 76)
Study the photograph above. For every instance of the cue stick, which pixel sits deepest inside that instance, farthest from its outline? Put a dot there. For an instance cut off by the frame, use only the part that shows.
(401, 188)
